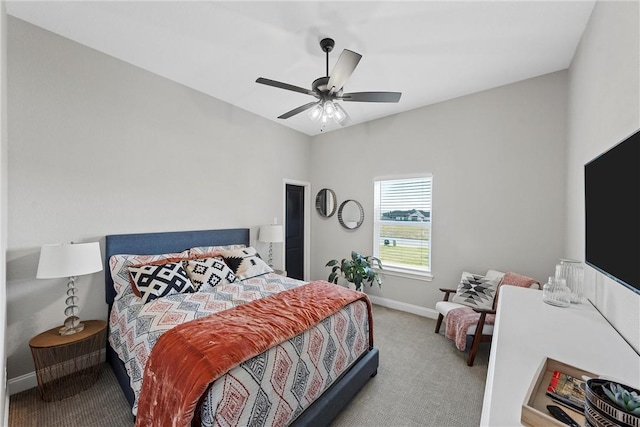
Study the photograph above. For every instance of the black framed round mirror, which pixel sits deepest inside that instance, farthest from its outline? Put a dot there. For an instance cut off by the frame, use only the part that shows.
(351, 214)
(326, 203)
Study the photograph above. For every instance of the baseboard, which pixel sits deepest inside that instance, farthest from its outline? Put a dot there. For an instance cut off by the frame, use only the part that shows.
(29, 380)
(22, 383)
(403, 306)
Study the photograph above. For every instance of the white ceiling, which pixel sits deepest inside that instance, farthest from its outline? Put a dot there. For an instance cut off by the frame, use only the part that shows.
(430, 51)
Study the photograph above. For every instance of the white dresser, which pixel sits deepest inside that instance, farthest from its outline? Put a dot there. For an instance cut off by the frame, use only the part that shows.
(527, 331)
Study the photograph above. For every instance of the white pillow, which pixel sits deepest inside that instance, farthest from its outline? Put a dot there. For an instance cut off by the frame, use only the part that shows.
(477, 291)
(211, 251)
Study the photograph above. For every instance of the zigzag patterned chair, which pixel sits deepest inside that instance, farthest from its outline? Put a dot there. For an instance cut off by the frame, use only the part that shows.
(472, 308)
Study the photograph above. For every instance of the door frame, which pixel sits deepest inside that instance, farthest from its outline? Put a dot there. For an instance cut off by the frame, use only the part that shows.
(307, 221)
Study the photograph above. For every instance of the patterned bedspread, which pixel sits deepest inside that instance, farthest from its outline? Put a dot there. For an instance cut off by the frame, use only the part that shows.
(269, 389)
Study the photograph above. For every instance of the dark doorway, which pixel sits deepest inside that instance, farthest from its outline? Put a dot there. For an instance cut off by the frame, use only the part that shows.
(294, 233)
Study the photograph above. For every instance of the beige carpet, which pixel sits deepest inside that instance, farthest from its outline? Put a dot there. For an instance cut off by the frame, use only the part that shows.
(423, 380)
(102, 405)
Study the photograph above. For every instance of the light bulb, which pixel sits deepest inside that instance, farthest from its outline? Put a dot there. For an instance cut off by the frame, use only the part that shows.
(329, 109)
(315, 112)
(340, 115)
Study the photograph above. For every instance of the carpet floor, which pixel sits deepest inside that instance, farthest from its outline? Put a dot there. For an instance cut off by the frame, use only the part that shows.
(423, 380)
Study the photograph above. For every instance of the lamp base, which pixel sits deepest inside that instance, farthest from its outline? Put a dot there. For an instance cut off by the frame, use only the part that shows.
(72, 325)
(270, 261)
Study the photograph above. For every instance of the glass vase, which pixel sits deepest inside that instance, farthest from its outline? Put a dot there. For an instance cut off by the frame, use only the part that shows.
(555, 292)
(573, 273)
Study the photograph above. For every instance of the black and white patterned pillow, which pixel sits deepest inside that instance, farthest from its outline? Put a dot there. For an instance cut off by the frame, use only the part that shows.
(155, 281)
(246, 263)
(476, 291)
(207, 273)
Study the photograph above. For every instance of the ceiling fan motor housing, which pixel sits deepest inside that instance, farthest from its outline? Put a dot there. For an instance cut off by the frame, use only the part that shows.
(327, 45)
(320, 85)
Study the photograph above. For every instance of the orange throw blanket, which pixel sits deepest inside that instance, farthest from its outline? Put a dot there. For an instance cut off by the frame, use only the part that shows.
(189, 357)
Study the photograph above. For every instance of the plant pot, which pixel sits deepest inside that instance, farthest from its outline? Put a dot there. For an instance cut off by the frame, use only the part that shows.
(599, 411)
(349, 285)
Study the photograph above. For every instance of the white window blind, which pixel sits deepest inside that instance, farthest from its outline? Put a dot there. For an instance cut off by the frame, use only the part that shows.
(402, 223)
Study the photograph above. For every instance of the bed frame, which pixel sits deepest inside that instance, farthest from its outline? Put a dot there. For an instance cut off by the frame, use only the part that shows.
(323, 410)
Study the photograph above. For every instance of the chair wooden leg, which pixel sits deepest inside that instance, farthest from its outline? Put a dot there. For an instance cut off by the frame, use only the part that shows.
(477, 337)
(439, 323)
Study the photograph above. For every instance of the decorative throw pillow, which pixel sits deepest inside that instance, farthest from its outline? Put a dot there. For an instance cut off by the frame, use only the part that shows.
(476, 291)
(207, 273)
(135, 289)
(154, 281)
(119, 266)
(245, 263)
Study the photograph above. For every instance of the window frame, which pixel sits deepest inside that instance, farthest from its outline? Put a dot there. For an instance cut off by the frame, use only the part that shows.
(394, 270)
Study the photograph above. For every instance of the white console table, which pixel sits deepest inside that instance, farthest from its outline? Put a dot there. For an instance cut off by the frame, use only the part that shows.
(527, 331)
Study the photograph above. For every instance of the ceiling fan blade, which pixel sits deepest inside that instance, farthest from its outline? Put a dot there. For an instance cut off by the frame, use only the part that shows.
(298, 110)
(371, 96)
(343, 69)
(286, 86)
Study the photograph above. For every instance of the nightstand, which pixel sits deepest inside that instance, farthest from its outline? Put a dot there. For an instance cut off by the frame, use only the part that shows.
(67, 364)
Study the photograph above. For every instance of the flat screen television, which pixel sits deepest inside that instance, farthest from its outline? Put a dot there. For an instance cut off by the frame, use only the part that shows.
(612, 213)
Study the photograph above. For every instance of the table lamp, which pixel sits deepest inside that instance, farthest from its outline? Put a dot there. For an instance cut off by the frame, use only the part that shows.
(271, 234)
(69, 260)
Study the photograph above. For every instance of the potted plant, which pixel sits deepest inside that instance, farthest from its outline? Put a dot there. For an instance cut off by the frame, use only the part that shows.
(627, 400)
(610, 403)
(357, 270)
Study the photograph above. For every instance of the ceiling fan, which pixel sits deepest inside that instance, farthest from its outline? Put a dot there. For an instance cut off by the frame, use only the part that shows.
(328, 89)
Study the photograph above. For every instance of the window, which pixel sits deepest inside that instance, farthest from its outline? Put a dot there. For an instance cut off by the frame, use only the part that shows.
(402, 224)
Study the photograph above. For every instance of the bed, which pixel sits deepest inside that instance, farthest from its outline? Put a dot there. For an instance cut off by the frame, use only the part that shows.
(322, 410)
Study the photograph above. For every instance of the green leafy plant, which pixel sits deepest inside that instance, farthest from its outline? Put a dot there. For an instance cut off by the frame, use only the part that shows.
(626, 400)
(357, 270)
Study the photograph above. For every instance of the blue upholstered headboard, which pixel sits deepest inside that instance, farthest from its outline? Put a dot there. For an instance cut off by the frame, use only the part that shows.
(166, 242)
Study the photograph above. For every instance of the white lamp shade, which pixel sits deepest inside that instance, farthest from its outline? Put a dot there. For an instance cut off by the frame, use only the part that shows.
(68, 260)
(271, 233)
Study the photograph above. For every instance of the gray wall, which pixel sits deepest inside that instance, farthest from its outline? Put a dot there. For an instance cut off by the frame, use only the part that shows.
(98, 147)
(497, 159)
(604, 108)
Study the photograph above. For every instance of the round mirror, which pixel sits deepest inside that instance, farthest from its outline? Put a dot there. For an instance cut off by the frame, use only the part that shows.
(326, 202)
(351, 214)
